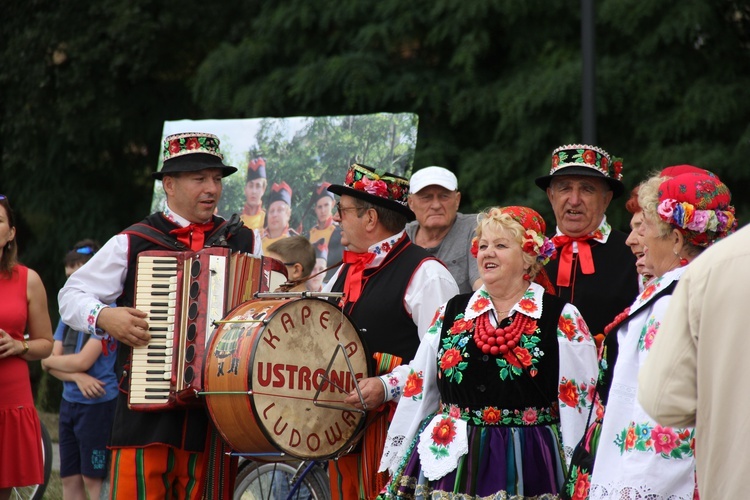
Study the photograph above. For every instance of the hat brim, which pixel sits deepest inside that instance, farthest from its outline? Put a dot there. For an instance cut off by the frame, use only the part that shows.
(375, 200)
(192, 163)
(617, 187)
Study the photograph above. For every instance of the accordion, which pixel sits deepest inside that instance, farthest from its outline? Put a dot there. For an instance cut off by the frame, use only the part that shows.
(183, 294)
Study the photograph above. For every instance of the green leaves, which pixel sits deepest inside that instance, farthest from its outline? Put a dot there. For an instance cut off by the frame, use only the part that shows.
(496, 84)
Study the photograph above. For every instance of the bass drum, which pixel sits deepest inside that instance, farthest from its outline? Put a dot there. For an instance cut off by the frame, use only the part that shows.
(264, 365)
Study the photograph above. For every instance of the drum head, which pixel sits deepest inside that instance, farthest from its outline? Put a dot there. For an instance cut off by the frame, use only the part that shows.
(291, 355)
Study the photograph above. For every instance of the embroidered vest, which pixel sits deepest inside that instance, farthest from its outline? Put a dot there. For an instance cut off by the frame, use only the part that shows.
(380, 311)
(481, 385)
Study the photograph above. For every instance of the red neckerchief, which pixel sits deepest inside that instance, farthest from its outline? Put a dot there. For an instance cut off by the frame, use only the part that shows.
(565, 268)
(193, 235)
(357, 264)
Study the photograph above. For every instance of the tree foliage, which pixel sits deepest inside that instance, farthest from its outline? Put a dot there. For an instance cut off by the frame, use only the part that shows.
(496, 84)
(85, 88)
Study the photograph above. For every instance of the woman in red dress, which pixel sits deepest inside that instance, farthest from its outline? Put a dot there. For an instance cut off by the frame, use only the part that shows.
(23, 309)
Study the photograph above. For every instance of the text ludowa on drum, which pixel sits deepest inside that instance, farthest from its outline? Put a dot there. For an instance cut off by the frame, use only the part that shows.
(278, 351)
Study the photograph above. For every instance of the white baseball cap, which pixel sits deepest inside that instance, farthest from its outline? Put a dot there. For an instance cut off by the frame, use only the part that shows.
(432, 176)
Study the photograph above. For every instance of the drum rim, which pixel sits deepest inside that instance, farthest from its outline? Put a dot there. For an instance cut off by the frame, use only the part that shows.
(283, 303)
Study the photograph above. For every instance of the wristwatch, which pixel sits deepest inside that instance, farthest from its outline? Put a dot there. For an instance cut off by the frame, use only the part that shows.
(25, 347)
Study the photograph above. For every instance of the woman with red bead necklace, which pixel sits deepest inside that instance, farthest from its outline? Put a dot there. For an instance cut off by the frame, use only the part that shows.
(500, 388)
(636, 457)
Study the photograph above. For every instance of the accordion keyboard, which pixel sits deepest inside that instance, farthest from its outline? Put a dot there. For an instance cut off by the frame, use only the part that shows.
(156, 295)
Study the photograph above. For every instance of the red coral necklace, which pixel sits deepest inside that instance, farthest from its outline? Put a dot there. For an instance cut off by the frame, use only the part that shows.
(491, 340)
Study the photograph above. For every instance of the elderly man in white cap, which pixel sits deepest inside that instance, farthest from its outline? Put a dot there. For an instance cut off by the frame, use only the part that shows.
(440, 228)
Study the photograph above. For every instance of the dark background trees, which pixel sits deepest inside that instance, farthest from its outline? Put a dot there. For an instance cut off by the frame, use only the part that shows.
(85, 88)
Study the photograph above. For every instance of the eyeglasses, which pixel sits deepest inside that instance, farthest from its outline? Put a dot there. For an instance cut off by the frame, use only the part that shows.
(340, 209)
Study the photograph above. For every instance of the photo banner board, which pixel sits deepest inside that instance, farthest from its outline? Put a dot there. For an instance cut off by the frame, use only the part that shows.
(301, 153)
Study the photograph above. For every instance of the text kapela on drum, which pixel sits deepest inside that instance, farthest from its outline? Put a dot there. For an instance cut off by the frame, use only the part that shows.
(303, 376)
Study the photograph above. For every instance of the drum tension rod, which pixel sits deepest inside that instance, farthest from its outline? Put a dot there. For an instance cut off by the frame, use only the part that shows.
(204, 393)
(225, 321)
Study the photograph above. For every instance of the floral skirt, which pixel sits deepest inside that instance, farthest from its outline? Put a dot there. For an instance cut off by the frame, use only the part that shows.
(501, 463)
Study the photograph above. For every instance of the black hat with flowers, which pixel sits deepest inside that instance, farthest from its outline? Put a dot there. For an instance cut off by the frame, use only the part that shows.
(377, 187)
(190, 152)
(590, 161)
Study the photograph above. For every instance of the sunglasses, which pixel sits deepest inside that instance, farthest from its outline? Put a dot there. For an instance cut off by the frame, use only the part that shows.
(341, 210)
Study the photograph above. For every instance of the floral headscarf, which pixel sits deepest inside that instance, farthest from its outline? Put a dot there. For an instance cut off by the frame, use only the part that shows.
(697, 205)
(534, 241)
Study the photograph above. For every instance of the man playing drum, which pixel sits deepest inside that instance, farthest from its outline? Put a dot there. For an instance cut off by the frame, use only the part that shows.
(392, 289)
(156, 454)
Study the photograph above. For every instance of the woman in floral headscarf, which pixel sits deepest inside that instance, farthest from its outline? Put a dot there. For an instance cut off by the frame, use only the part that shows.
(636, 457)
(497, 414)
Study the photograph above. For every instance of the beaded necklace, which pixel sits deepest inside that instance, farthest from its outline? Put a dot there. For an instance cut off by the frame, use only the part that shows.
(491, 340)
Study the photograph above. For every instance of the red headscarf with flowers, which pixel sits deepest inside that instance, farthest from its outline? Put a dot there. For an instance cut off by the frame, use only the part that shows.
(697, 205)
(534, 243)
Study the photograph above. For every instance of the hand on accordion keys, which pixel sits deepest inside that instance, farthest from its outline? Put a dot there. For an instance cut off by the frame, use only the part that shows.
(126, 324)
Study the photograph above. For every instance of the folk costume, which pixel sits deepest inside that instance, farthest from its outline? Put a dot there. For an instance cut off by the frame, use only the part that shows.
(481, 418)
(634, 453)
(279, 192)
(603, 293)
(391, 293)
(256, 169)
(20, 429)
(253, 221)
(637, 457)
(698, 358)
(110, 276)
(317, 232)
(597, 272)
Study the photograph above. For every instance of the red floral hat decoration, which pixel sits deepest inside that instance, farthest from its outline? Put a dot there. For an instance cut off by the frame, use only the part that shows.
(698, 205)
(534, 241)
(190, 152)
(590, 161)
(376, 186)
(280, 192)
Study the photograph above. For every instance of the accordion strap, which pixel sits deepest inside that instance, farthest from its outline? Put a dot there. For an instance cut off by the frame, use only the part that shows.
(218, 237)
(150, 233)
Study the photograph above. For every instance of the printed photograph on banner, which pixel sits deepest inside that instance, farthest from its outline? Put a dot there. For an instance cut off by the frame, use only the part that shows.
(284, 166)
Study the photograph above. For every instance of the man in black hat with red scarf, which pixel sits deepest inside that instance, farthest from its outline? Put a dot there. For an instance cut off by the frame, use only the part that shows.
(157, 454)
(392, 290)
(595, 270)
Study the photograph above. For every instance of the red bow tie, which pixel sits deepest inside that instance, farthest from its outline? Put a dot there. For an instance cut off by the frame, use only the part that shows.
(565, 268)
(357, 263)
(192, 236)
